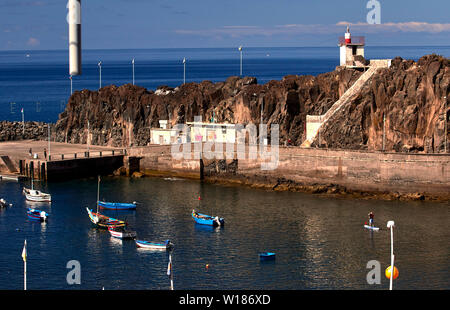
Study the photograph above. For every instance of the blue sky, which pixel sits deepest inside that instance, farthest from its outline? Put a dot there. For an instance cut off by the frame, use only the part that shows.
(41, 24)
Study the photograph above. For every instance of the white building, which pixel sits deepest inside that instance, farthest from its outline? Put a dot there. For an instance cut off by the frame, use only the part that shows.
(349, 48)
(212, 132)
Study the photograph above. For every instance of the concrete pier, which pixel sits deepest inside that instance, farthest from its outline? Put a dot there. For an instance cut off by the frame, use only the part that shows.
(62, 161)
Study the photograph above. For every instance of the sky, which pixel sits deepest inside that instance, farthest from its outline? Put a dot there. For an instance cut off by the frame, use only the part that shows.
(125, 24)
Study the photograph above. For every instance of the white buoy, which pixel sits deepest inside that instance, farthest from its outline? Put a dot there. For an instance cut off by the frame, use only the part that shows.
(74, 21)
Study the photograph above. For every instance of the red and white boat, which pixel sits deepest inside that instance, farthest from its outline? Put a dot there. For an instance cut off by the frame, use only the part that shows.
(121, 232)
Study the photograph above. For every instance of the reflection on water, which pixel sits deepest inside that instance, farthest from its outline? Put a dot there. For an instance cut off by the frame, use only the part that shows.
(320, 243)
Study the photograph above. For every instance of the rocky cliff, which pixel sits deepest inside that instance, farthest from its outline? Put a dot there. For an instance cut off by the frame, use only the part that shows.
(405, 101)
(409, 95)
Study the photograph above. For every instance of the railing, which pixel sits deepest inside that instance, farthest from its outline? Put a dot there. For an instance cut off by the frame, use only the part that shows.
(354, 41)
(87, 154)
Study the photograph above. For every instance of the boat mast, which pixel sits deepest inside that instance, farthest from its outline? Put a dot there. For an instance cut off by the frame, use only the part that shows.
(98, 192)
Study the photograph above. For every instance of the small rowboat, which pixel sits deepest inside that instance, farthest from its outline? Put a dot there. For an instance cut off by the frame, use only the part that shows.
(204, 219)
(37, 215)
(121, 233)
(266, 256)
(167, 245)
(371, 227)
(117, 205)
(104, 221)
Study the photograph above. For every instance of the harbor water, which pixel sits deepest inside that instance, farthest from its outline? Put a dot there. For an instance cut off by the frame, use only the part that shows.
(320, 243)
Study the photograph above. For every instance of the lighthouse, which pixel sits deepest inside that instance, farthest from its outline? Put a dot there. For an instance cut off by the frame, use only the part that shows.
(350, 48)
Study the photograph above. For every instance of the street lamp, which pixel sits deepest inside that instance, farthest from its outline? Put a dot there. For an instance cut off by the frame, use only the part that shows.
(184, 72)
(390, 225)
(71, 89)
(240, 50)
(133, 69)
(100, 71)
(445, 130)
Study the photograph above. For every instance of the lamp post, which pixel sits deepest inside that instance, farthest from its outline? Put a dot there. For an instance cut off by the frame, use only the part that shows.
(184, 72)
(71, 88)
(445, 130)
(133, 69)
(240, 50)
(23, 122)
(391, 225)
(100, 72)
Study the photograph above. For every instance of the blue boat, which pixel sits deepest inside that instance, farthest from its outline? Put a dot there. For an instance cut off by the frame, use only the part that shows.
(117, 205)
(37, 215)
(167, 245)
(266, 256)
(204, 219)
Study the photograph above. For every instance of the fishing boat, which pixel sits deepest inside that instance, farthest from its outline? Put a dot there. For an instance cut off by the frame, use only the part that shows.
(35, 195)
(38, 215)
(167, 245)
(204, 219)
(121, 232)
(117, 205)
(267, 256)
(100, 220)
(103, 221)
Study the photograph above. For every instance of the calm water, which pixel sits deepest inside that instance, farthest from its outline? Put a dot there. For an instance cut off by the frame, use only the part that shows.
(320, 243)
(38, 81)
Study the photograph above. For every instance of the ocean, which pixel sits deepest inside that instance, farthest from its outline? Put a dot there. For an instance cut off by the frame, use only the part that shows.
(320, 243)
(38, 81)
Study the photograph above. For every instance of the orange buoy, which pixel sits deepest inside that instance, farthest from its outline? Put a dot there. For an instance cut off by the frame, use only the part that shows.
(388, 272)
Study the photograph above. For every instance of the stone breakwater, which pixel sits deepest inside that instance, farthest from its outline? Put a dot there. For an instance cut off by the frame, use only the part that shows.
(13, 131)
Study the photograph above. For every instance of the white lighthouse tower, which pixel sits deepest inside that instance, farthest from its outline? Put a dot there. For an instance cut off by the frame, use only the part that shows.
(350, 47)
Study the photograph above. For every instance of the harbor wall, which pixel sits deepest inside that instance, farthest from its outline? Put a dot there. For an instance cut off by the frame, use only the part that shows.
(83, 167)
(312, 170)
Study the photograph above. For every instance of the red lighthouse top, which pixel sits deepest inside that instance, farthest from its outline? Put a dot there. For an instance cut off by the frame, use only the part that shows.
(348, 36)
(349, 40)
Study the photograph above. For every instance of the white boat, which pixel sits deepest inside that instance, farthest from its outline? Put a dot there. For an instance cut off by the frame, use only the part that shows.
(121, 233)
(167, 245)
(35, 195)
(371, 227)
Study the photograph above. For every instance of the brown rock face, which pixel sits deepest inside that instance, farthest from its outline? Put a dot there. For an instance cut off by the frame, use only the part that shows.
(410, 96)
(121, 115)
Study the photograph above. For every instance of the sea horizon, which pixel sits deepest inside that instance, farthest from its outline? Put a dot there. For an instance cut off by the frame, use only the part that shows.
(38, 80)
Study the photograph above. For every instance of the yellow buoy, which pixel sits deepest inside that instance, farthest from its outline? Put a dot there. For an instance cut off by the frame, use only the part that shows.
(388, 272)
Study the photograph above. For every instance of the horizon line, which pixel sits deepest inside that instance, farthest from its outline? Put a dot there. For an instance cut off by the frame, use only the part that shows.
(198, 48)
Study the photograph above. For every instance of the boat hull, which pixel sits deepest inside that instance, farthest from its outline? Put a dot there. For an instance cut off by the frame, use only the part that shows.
(204, 219)
(103, 221)
(34, 195)
(267, 256)
(37, 215)
(122, 234)
(371, 227)
(116, 205)
(154, 246)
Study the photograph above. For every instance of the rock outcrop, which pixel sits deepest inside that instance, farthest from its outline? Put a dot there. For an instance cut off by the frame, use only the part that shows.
(410, 95)
(406, 102)
(11, 131)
